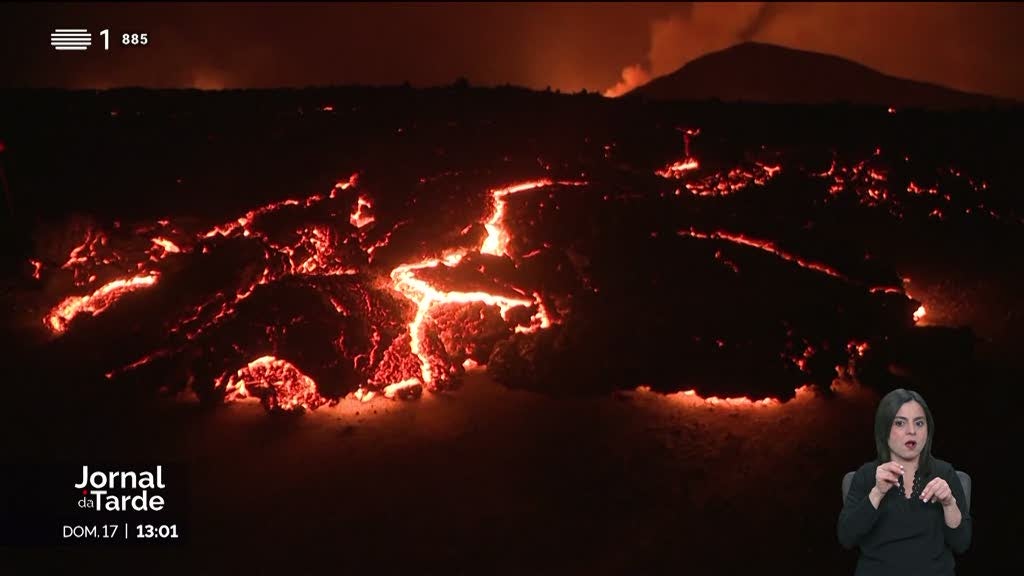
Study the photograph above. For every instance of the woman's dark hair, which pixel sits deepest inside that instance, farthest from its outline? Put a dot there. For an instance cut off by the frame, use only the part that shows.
(886, 414)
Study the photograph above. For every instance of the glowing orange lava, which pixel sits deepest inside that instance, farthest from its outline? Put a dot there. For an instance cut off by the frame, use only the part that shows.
(358, 218)
(62, 314)
(733, 181)
(740, 402)
(314, 250)
(313, 253)
(717, 184)
(409, 386)
(426, 296)
(676, 169)
(920, 313)
(95, 250)
(81, 254)
(765, 245)
(167, 245)
(497, 237)
(276, 382)
(688, 163)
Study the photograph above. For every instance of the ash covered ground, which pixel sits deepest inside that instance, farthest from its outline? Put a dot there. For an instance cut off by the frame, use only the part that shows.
(675, 317)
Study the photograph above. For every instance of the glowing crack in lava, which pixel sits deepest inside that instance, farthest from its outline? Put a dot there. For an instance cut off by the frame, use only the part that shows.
(359, 218)
(719, 183)
(276, 382)
(167, 245)
(734, 180)
(333, 255)
(676, 169)
(58, 318)
(308, 251)
(688, 163)
(313, 250)
(763, 245)
(497, 237)
(95, 250)
(771, 248)
(425, 296)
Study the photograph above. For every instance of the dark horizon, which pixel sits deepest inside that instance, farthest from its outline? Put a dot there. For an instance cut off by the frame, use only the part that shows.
(570, 48)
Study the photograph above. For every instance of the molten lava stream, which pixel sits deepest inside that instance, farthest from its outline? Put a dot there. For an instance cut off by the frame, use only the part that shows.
(62, 314)
(425, 296)
(86, 256)
(281, 385)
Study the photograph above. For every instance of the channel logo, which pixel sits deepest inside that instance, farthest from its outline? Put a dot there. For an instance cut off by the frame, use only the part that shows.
(70, 39)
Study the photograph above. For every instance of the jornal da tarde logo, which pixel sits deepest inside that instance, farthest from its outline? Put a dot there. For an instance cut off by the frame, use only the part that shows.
(122, 490)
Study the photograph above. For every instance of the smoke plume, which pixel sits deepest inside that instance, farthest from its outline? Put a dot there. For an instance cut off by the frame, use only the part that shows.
(704, 27)
(956, 45)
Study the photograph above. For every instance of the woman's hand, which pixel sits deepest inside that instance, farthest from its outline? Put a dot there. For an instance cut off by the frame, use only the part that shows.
(938, 491)
(886, 476)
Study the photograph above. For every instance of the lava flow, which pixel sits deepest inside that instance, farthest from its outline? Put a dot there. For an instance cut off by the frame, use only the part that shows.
(304, 301)
(86, 257)
(313, 251)
(97, 302)
(765, 245)
(425, 296)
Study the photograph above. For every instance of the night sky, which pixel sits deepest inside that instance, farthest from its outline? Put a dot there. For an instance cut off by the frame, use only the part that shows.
(971, 47)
